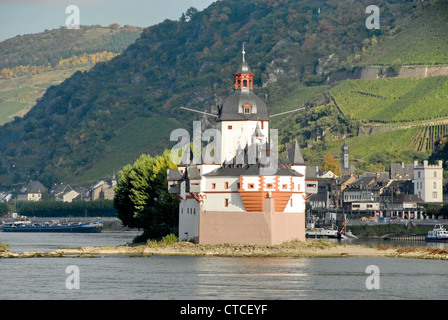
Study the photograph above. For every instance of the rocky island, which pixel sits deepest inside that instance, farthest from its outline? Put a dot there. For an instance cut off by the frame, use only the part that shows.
(294, 249)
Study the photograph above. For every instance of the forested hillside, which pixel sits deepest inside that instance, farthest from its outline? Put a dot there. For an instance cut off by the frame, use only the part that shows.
(50, 47)
(29, 64)
(97, 121)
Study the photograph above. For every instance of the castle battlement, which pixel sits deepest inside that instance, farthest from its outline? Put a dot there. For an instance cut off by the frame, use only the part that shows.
(438, 165)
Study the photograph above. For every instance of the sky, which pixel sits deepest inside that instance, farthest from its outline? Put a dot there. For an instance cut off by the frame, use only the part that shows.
(34, 16)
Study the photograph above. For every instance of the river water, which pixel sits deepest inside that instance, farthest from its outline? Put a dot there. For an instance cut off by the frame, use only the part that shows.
(207, 278)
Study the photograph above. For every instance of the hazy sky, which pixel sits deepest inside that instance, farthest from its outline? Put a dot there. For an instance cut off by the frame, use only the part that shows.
(33, 16)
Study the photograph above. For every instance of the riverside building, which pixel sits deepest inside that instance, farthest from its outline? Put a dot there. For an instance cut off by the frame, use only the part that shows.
(236, 200)
(428, 181)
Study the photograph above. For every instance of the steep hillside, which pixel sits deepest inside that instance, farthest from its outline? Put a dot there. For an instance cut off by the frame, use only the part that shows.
(398, 101)
(31, 63)
(52, 46)
(419, 39)
(84, 125)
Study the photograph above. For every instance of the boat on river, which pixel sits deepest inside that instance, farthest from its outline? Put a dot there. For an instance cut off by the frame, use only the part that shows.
(331, 233)
(52, 226)
(438, 234)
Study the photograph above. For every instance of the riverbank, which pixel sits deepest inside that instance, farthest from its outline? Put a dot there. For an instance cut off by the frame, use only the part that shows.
(309, 248)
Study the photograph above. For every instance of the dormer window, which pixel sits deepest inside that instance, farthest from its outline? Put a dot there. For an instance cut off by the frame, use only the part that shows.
(247, 108)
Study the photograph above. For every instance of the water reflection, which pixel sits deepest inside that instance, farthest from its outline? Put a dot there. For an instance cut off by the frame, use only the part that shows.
(254, 277)
(202, 278)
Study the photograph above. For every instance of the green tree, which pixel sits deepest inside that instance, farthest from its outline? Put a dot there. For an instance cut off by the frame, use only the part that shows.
(330, 164)
(142, 199)
(191, 12)
(396, 67)
(4, 209)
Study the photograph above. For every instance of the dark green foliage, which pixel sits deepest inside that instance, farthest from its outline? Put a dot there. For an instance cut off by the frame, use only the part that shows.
(142, 199)
(4, 209)
(51, 208)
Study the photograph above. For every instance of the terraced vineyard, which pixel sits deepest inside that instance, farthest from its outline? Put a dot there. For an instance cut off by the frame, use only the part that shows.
(398, 101)
(403, 144)
(422, 40)
(428, 136)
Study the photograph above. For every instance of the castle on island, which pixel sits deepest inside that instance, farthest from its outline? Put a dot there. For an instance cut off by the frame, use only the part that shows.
(235, 200)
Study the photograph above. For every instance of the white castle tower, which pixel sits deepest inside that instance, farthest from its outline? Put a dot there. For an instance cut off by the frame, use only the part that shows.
(235, 201)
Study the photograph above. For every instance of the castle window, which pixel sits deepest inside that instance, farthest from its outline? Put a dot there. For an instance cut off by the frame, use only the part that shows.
(213, 186)
(247, 108)
(229, 127)
(238, 185)
(269, 186)
(250, 186)
(435, 174)
(226, 203)
(226, 185)
(285, 186)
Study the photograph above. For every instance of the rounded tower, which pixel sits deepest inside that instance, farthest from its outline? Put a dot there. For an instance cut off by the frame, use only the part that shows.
(240, 113)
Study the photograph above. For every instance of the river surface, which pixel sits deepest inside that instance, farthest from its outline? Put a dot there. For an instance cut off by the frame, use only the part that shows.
(207, 278)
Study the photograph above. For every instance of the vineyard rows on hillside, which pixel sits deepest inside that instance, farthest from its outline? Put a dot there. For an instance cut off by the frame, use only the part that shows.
(396, 101)
(428, 136)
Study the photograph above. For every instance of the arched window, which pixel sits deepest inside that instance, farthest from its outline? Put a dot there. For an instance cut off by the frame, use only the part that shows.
(247, 108)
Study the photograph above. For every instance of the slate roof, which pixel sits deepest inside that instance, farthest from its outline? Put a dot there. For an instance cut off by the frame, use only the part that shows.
(233, 105)
(407, 198)
(295, 155)
(61, 188)
(402, 171)
(363, 182)
(312, 172)
(99, 184)
(192, 172)
(174, 175)
(249, 170)
(34, 187)
(244, 68)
